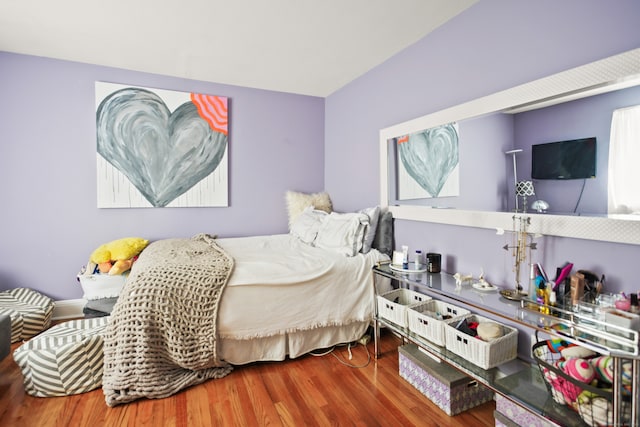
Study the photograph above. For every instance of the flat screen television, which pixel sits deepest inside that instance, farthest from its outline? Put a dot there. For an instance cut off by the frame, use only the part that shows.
(574, 159)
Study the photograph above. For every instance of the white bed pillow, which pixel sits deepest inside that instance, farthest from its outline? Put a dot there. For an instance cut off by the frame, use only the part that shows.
(370, 229)
(297, 202)
(306, 225)
(342, 233)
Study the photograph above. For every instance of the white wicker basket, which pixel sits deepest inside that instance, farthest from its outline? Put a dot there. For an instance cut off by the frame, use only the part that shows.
(481, 353)
(423, 321)
(393, 305)
(98, 286)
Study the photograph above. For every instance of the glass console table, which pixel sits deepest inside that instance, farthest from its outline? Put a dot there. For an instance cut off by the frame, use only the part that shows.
(519, 380)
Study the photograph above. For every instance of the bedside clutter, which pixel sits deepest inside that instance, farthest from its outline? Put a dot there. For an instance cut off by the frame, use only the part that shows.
(483, 348)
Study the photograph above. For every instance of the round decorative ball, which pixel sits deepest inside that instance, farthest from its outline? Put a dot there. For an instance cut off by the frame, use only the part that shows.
(579, 369)
(489, 331)
(626, 372)
(603, 367)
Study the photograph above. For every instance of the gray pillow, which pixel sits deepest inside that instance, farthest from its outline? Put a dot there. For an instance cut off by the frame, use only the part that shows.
(384, 234)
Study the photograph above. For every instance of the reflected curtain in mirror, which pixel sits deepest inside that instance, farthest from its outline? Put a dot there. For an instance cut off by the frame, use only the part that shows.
(624, 150)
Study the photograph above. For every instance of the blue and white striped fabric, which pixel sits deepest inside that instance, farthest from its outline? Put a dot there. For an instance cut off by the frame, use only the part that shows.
(66, 359)
(30, 312)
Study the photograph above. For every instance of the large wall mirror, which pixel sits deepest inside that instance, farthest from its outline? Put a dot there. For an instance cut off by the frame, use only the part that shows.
(472, 156)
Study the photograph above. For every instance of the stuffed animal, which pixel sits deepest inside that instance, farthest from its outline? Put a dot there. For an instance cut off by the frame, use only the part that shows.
(117, 257)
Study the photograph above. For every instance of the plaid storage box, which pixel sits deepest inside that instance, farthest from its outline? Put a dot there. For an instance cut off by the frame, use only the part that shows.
(427, 319)
(448, 388)
(393, 305)
(508, 414)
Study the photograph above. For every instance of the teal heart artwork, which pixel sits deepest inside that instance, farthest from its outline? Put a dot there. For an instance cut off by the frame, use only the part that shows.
(162, 153)
(429, 156)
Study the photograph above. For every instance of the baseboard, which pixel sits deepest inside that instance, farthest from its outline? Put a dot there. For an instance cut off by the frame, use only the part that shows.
(68, 309)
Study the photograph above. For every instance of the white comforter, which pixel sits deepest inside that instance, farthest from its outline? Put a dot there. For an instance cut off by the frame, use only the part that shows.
(282, 285)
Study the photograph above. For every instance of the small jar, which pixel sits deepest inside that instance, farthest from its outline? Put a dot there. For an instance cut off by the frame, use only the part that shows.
(433, 262)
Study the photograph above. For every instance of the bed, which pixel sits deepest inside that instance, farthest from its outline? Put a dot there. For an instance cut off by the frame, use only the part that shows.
(259, 298)
(293, 298)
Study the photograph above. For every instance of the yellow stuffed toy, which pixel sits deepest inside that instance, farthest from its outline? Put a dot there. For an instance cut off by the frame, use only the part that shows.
(117, 256)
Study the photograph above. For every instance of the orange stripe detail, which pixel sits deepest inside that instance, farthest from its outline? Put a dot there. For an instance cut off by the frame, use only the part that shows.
(213, 109)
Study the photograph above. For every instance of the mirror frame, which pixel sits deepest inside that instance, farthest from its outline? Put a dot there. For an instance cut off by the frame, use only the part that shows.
(612, 73)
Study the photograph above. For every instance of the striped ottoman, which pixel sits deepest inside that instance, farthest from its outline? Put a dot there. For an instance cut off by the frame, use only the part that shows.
(66, 359)
(29, 310)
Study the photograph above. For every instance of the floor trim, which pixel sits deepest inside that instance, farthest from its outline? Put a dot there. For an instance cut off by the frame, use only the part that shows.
(68, 309)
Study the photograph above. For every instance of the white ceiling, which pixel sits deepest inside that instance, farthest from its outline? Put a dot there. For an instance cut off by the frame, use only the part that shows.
(299, 46)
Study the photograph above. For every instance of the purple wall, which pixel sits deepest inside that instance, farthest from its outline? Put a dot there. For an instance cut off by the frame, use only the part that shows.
(492, 46)
(583, 118)
(49, 223)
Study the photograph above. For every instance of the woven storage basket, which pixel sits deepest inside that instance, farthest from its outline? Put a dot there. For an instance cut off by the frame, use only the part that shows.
(393, 305)
(481, 353)
(423, 319)
(593, 404)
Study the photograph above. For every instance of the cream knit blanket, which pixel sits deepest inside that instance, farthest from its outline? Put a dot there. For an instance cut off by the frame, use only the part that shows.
(162, 334)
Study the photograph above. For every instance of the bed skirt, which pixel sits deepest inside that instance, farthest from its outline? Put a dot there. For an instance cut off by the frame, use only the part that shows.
(292, 345)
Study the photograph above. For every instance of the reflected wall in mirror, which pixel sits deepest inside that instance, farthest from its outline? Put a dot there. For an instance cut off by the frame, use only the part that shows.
(491, 126)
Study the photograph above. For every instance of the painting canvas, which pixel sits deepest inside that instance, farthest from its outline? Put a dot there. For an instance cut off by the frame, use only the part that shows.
(428, 163)
(160, 148)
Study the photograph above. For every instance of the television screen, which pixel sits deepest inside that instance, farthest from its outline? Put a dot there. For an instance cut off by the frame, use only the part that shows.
(574, 159)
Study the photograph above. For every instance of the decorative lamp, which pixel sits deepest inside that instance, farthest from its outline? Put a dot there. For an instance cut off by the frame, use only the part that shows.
(525, 189)
(540, 206)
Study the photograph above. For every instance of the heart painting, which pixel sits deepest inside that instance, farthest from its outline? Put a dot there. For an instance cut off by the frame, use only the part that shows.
(430, 156)
(162, 153)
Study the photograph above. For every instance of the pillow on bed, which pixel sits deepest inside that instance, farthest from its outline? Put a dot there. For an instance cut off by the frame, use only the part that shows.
(342, 233)
(370, 228)
(307, 224)
(297, 202)
(384, 234)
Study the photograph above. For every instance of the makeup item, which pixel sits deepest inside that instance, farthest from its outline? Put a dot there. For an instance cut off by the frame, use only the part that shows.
(417, 260)
(405, 257)
(433, 262)
(542, 272)
(564, 273)
(553, 302)
(542, 298)
(634, 304)
(577, 288)
(622, 303)
(532, 282)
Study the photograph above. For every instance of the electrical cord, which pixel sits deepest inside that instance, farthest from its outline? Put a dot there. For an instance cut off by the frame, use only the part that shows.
(584, 181)
(340, 359)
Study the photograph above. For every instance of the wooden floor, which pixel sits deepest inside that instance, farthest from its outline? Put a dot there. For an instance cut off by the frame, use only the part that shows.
(308, 391)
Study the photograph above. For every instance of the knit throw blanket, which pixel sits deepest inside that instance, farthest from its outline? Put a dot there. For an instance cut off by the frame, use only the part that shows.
(162, 335)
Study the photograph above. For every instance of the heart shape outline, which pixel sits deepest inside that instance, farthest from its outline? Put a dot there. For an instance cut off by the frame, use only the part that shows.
(163, 154)
(429, 156)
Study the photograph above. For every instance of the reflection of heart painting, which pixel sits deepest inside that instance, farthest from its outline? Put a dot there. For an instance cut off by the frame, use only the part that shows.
(430, 160)
(160, 148)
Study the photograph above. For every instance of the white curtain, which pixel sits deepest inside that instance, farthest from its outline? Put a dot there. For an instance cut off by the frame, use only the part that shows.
(624, 154)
